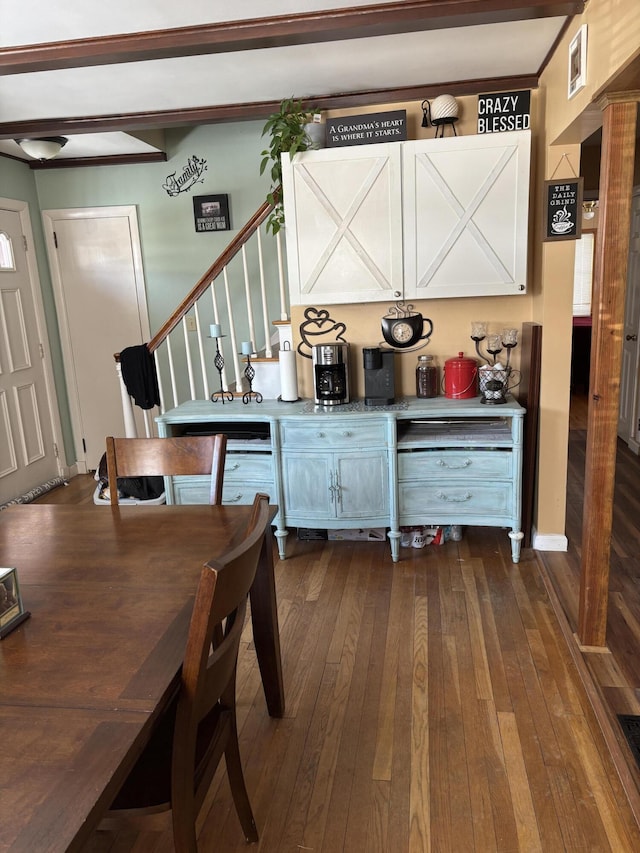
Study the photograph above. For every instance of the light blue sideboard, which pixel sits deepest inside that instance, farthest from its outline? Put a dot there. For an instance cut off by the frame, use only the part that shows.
(436, 461)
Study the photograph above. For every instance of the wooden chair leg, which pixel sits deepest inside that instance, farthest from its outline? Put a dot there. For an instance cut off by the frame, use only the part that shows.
(237, 784)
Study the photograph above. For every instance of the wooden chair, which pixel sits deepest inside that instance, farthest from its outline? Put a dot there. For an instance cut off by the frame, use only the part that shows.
(177, 766)
(166, 457)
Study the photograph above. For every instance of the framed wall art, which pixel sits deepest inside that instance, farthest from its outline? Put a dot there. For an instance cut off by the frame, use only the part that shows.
(211, 213)
(563, 209)
(578, 61)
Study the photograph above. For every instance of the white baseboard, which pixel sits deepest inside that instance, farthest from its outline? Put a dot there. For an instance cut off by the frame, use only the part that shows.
(548, 541)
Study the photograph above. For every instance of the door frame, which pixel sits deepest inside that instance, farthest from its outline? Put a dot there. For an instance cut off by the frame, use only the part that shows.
(48, 218)
(53, 409)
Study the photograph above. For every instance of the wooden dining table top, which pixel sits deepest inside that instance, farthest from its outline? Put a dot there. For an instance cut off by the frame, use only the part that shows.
(110, 591)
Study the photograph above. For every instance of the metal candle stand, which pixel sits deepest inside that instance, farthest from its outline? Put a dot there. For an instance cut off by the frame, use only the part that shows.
(222, 395)
(495, 385)
(249, 374)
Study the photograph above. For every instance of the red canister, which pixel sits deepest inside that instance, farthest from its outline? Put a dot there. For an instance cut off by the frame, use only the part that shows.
(460, 377)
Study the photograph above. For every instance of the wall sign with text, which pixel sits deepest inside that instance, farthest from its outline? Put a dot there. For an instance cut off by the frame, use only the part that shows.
(211, 213)
(504, 111)
(563, 209)
(364, 129)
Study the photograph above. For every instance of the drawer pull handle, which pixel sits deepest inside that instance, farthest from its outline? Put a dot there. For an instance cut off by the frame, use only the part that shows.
(233, 500)
(444, 464)
(233, 467)
(455, 499)
(319, 435)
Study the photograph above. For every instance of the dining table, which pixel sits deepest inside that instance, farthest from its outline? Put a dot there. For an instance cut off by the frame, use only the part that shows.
(85, 678)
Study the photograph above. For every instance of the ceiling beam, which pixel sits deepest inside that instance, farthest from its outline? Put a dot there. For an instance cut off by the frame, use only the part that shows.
(277, 31)
(252, 111)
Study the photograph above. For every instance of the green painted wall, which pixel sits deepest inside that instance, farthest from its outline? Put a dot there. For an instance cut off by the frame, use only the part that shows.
(174, 255)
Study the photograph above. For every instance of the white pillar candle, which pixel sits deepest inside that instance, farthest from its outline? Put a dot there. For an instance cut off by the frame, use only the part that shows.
(216, 332)
(288, 376)
(247, 347)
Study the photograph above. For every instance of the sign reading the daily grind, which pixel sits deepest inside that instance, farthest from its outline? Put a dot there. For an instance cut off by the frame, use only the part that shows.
(504, 111)
(364, 129)
(563, 209)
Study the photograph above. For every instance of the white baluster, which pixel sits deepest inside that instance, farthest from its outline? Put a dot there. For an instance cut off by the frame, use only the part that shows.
(187, 350)
(172, 372)
(160, 389)
(263, 299)
(232, 334)
(283, 296)
(247, 296)
(203, 364)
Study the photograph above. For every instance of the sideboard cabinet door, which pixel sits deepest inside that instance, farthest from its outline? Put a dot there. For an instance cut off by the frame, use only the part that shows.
(465, 215)
(343, 228)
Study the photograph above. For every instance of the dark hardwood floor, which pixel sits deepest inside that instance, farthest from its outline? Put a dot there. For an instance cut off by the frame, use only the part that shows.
(615, 670)
(433, 705)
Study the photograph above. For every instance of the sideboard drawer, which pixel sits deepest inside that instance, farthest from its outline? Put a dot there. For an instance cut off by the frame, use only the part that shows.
(345, 435)
(460, 499)
(455, 465)
(244, 493)
(248, 466)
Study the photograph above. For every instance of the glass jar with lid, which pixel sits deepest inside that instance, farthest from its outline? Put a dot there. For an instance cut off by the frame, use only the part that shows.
(426, 377)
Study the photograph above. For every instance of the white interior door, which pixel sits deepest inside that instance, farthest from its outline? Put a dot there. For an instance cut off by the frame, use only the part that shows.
(29, 425)
(96, 268)
(628, 426)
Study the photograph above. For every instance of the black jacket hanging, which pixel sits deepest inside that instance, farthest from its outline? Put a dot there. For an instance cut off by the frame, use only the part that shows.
(139, 376)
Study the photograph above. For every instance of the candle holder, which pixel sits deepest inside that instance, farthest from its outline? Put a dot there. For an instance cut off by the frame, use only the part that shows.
(495, 379)
(249, 374)
(221, 395)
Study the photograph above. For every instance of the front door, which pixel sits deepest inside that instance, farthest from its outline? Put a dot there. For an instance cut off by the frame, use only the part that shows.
(96, 268)
(28, 414)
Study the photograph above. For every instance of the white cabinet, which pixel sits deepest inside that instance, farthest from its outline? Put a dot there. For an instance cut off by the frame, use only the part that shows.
(343, 228)
(465, 215)
(427, 219)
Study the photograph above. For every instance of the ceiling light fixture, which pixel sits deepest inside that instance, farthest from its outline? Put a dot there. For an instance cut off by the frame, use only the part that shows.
(589, 209)
(44, 148)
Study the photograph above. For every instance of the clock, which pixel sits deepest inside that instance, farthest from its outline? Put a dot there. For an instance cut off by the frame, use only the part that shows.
(405, 328)
(402, 333)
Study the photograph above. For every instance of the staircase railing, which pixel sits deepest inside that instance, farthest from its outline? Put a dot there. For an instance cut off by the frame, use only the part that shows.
(242, 291)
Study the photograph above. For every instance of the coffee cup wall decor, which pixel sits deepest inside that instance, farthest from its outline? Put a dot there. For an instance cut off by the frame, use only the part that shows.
(402, 327)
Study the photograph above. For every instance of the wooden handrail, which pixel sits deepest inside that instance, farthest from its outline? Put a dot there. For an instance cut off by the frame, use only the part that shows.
(212, 273)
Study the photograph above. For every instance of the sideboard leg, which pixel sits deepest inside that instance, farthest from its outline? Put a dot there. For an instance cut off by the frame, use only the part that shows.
(394, 541)
(281, 539)
(516, 537)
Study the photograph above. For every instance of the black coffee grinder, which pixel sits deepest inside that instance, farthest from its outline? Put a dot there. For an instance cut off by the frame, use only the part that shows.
(379, 378)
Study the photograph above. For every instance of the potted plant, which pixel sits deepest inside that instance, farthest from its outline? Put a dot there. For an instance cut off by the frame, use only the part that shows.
(288, 131)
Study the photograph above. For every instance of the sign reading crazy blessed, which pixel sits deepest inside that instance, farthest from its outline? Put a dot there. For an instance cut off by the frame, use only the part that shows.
(364, 129)
(504, 111)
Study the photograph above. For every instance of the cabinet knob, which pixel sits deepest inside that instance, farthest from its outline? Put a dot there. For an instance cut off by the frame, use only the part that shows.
(347, 433)
(397, 294)
(319, 435)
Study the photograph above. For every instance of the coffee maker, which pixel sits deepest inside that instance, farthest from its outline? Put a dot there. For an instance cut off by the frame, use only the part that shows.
(330, 374)
(379, 378)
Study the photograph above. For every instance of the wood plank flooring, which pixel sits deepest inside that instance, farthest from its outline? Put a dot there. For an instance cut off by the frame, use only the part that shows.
(433, 705)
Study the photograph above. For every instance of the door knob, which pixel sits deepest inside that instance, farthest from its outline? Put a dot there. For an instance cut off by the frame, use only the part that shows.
(632, 337)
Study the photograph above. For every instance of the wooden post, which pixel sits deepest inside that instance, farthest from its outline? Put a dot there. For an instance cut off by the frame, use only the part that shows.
(608, 305)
